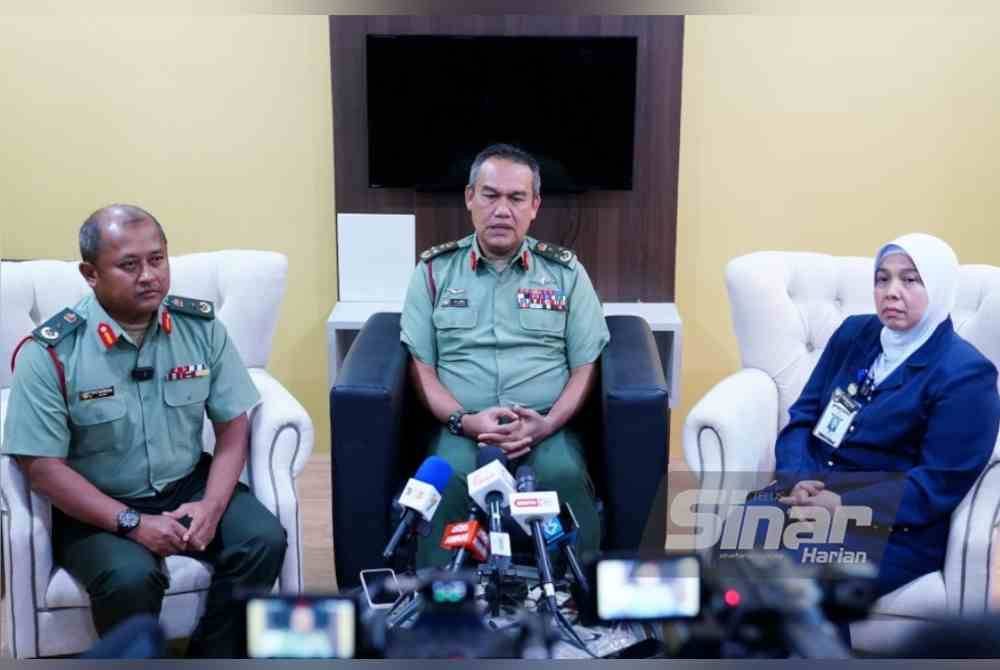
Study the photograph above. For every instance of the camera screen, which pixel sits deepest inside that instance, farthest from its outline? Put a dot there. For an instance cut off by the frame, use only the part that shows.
(300, 628)
(633, 589)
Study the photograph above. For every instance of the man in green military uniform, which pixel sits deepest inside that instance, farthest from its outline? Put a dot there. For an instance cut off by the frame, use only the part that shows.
(504, 332)
(105, 417)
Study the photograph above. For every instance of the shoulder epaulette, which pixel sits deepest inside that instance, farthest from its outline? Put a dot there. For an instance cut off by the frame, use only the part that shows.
(190, 306)
(554, 252)
(438, 249)
(58, 327)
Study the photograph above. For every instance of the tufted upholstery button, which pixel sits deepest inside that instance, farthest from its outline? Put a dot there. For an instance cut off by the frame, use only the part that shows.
(810, 347)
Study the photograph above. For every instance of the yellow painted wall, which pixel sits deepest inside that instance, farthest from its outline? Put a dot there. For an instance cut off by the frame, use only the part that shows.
(832, 135)
(221, 127)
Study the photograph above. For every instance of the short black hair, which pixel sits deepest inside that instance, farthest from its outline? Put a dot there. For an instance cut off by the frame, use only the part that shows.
(90, 231)
(511, 153)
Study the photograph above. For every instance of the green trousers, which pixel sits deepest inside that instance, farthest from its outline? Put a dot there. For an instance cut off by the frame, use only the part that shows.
(124, 578)
(559, 466)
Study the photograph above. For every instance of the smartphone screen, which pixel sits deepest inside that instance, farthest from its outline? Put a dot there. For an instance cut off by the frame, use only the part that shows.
(300, 627)
(635, 589)
(381, 587)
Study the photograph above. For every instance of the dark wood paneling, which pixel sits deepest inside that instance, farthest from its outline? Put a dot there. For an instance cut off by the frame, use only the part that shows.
(626, 239)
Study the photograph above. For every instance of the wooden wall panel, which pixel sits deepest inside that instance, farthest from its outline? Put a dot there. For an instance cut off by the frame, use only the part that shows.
(626, 239)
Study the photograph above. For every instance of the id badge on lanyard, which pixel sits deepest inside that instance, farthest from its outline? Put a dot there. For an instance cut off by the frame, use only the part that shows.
(837, 418)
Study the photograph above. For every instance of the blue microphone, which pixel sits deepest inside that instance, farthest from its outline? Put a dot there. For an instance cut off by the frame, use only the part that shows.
(420, 498)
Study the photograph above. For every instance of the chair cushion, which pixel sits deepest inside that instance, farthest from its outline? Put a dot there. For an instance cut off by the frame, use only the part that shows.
(186, 575)
(923, 598)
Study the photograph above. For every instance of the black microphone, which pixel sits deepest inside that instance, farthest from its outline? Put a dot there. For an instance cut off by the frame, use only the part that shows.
(571, 527)
(420, 498)
(526, 484)
(459, 558)
(142, 374)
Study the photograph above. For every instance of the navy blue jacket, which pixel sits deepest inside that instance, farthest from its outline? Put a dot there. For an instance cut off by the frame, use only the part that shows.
(934, 418)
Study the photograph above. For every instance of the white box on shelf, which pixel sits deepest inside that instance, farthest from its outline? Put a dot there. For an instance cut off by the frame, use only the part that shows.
(375, 256)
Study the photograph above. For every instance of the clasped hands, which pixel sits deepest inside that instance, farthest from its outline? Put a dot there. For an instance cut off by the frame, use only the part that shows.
(811, 492)
(524, 428)
(165, 535)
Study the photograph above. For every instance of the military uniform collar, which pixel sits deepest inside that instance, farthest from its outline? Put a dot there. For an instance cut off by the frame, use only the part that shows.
(477, 259)
(108, 331)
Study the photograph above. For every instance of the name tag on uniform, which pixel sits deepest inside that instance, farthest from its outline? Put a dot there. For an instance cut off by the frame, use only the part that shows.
(94, 394)
(187, 372)
(541, 298)
(836, 418)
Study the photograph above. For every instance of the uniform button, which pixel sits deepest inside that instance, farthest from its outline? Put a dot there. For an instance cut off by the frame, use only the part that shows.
(830, 463)
(851, 429)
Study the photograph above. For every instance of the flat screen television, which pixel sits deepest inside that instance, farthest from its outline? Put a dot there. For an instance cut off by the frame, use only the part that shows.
(435, 101)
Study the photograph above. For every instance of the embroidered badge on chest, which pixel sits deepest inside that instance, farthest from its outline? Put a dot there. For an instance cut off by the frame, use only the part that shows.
(541, 298)
(187, 372)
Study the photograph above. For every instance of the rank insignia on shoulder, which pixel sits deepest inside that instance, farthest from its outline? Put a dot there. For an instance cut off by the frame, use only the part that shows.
(190, 306)
(556, 253)
(58, 327)
(438, 249)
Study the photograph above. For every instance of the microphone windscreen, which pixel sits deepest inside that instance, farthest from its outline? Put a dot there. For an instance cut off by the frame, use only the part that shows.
(490, 453)
(525, 477)
(434, 471)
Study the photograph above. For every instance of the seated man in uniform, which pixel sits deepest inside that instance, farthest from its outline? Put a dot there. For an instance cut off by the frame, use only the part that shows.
(504, 332)
(105, 418)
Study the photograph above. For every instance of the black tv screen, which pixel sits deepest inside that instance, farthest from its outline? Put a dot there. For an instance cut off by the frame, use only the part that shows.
(435, 101)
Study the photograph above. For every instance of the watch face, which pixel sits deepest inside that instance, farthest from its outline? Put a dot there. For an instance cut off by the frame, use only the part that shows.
(128, 519)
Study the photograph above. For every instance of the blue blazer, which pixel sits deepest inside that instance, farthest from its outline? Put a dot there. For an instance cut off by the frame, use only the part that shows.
(934, 420)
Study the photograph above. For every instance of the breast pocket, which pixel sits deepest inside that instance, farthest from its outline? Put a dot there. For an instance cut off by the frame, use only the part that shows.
(446, 318)
(98, 425)
(543, 320)
(185, 400)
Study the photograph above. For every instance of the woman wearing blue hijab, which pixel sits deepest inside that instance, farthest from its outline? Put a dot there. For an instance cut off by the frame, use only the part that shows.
(899, 415)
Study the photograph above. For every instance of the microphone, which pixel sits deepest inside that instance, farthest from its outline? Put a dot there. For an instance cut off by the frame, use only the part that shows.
(491, 486)
(530, 509)
(561, 532)
(420, 498)
(468, 538)
(142, 374)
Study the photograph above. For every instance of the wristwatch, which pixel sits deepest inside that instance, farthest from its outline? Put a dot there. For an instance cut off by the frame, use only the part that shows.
(128, 520)
(455, 421)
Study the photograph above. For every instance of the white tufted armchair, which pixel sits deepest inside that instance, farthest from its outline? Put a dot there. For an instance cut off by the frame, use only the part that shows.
(48, 612)
(785, 306)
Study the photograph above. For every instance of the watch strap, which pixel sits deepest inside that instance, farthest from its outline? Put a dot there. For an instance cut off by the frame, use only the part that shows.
(454, 423)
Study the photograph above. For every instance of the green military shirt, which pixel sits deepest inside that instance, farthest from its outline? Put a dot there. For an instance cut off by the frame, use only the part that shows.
(129, 438)
(498, 338)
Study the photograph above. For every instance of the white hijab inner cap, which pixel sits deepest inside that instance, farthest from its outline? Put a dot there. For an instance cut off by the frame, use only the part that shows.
(938, 267)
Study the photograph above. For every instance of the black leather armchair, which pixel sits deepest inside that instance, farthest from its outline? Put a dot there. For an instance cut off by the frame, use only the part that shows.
(381, 431)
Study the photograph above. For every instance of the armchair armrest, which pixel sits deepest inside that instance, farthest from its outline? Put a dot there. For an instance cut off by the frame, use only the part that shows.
(28, 561)
(634, 402)
(366, 410)
(971, 551)
(733, 428)
(281, 441)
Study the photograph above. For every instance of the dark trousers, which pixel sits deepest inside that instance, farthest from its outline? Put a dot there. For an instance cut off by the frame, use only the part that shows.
(124, 578)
